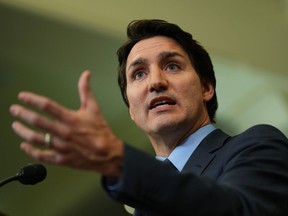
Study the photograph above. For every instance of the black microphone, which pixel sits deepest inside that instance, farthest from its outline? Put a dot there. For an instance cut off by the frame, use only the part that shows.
(28, 175)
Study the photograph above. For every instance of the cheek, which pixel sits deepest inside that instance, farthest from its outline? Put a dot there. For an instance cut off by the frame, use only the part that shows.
(134, 103)
(192, 94)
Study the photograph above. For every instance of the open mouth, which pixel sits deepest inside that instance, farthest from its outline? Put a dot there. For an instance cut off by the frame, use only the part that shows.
(160, 101)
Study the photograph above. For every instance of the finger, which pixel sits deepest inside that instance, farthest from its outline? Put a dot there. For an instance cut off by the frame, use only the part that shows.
(32, 117)
(27, 134)
(47, 156)
(85, 92)
(51, 156)
(38, 138)
(37, 120)
(44, 104)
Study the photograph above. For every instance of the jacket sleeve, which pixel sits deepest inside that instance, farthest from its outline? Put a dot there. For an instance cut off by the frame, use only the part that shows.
(254, 181)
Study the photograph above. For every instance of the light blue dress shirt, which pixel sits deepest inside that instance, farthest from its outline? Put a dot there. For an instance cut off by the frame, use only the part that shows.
(180, 155)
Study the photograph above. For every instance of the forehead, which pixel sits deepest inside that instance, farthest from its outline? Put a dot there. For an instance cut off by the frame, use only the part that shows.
(152, 47)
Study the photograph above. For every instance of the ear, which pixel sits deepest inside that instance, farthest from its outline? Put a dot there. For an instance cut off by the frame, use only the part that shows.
(207, 91)
(131, 114)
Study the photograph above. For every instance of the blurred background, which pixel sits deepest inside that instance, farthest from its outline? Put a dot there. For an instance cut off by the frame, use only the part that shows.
(45, 45)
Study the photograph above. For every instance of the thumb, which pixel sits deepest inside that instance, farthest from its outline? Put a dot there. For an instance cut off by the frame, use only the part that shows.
(85, 92)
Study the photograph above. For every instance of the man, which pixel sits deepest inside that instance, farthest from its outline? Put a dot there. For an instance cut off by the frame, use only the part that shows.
(167, 81)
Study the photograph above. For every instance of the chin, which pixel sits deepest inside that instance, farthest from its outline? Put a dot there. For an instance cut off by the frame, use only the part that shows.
(165, 127)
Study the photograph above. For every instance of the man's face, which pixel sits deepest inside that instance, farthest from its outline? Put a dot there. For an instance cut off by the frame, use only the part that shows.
(163, 89)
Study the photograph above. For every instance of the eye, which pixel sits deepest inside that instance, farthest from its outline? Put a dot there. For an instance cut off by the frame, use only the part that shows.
(172, 67)
(138, 75)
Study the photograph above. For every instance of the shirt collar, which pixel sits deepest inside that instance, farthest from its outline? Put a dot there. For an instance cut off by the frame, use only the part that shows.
(180, 155)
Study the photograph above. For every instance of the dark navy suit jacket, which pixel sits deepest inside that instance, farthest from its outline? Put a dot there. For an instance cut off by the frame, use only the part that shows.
(245, 175)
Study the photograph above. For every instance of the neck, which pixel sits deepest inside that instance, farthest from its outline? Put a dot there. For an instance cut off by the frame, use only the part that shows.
(165, 143)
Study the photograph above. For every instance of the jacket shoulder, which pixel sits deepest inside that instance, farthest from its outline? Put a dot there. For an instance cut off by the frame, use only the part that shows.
(261, 133)
(264, 130)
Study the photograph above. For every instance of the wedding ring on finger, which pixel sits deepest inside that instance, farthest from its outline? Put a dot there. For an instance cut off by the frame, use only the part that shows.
(47, 140)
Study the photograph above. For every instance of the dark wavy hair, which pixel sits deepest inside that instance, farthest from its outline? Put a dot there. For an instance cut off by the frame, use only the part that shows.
(142, 29)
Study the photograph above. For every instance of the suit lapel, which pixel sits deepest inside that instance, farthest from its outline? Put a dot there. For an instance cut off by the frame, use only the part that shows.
(205, 152)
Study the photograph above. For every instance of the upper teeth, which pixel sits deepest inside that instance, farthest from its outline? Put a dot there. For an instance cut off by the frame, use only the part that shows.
(160, 103)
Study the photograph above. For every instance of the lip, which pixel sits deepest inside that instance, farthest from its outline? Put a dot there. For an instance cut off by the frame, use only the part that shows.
(161, 100)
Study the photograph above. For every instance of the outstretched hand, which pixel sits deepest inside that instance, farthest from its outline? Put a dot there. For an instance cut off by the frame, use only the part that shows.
(80, 138)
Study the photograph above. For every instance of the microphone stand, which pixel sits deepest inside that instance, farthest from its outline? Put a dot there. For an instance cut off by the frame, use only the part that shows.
(10, 179)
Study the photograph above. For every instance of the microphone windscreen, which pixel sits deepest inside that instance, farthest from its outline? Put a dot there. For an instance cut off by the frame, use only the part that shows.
(32, 174)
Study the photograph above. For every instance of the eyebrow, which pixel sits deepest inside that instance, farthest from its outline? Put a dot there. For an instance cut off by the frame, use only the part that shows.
(162, 56)
(167, 55)
(137, 62)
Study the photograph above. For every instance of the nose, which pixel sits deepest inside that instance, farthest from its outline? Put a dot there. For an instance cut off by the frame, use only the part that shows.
(157, 80)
